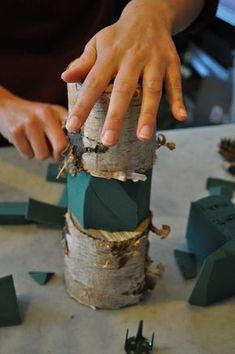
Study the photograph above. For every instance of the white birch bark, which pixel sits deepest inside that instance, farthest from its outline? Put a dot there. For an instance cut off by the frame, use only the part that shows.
(126, 160)
(105, 269)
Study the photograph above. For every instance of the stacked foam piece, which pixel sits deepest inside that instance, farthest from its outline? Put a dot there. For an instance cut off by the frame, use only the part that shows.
(211, 237)
(108, 219)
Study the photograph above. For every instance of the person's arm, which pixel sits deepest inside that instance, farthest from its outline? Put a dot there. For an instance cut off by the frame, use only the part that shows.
(138, 47)
(34, 128)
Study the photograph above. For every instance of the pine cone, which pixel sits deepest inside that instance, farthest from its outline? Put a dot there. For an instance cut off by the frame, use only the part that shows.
(227, 149)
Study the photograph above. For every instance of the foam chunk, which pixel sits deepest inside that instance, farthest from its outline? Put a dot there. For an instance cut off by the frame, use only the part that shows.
(108, 204)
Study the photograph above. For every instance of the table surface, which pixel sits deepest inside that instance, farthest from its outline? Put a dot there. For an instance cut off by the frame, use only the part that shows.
(53, 323)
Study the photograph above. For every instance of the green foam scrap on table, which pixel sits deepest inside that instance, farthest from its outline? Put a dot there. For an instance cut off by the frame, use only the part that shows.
(9, 310)
(41, 277)
(45, 214)
(211, 223)
(52, 172)
(187, 263)
(216, 280)
(110, 205)
(227, 191)
(214, 182)
(13, 213)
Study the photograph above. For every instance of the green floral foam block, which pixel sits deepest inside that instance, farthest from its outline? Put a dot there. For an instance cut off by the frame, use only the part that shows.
(110, 205)
(211, 224)
(216, 280)
(45, 214)
(9, 310)
(13, 213)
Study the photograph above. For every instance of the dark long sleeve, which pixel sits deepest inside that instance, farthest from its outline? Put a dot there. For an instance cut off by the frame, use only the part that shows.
(206, 16)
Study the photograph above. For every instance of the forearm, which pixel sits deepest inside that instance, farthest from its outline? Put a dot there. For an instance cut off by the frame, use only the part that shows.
(177, 15)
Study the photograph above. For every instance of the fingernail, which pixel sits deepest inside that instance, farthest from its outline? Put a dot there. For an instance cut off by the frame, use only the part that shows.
(145, 132)
(62, 75)
(183, 113)
(73, 123)
(109, 137)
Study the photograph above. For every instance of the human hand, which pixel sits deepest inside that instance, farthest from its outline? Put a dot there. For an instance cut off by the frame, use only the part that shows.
(136, 48)
(34, 128)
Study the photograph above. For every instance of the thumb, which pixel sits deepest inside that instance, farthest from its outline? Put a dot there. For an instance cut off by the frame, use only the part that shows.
(80, 67)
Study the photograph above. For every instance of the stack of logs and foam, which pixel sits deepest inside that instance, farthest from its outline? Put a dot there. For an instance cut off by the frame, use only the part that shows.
(108, 218)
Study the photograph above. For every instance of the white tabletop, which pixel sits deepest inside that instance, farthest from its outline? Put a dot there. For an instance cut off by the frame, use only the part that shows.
(53, 323)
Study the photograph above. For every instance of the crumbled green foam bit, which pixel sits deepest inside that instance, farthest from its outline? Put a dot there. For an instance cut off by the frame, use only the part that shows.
(187, 263)
(41, 277)
(227, 191)
(215, 182)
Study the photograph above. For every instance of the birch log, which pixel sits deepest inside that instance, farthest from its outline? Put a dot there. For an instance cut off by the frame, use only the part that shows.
(105, 269)
(128, 159)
